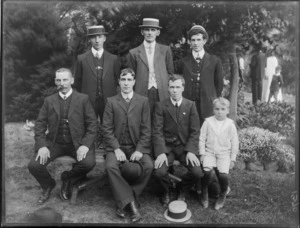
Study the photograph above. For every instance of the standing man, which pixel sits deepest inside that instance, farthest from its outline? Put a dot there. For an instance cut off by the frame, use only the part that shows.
(152, 62)
(175, 135)
(127, 135)
(202, 73)
(257, 74)
(70, 120)
(97, 71)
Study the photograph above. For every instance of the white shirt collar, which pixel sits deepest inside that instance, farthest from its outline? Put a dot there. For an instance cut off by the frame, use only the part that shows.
(178, 102)
(201, 54)
(95, 51)
(67, 94)
(147, 45)
(129, 95)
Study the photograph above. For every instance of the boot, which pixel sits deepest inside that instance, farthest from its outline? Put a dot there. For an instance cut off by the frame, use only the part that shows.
(204, 198)
(220, 201)
(135, 214)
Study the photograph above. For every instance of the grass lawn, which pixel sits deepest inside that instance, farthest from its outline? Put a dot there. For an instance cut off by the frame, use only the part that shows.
(256, 198)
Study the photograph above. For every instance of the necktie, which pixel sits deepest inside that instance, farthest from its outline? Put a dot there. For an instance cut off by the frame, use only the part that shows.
(127, 99)
(150, 49)
(198, 59)
(65, 97)
(97, 55)
(177, 109)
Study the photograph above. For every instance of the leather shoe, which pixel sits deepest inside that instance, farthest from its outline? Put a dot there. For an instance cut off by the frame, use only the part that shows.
(65, 192)
(135, 214)
(46, 194)
(165, 199)
(120, 212)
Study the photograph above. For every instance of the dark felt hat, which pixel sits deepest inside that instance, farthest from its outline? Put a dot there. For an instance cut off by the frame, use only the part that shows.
(96, 30)
(44, 215)
(132, 172)
(150, 23)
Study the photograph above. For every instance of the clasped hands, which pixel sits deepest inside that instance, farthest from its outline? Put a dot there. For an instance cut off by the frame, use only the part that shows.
(136, 156)
(44, 154)
(190, 158)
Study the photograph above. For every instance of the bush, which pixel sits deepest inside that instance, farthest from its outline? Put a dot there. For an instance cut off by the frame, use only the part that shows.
(275, 117)
(262, 145)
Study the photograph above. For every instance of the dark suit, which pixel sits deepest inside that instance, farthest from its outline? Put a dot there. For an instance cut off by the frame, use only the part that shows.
(211, 82)
(163, 67)
(258, 65)
(176, 136)
(83, 126)
(116, 115)
(86, 76)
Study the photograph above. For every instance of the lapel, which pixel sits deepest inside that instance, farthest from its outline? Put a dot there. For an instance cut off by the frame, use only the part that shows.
(90, 60)
(182, 110)
(205, 63)
(142, 54)
(56, 105)
(133, 102)
(171, 109)
(74, 102)
(188, 62)
(106, 63)
(121, 102)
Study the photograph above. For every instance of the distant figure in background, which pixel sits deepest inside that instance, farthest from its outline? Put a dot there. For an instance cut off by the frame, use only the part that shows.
(153, 64)
(241, 65)
(276, 84)
(257, 73)
(271, 65)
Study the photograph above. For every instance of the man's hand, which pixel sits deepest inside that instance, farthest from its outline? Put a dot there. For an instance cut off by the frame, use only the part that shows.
(160, 160)
(81, 152)
(43, 154)
(120, 155)
(231, 164)
(192, 158)
(136, 156)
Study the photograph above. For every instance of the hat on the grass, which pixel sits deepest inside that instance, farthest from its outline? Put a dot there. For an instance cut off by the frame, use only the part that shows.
(177, 212)
(150, 23)
(96, 30)
(132, 172)
(44, 215)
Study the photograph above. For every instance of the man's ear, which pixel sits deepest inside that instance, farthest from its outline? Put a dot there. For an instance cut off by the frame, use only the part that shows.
(158, 32)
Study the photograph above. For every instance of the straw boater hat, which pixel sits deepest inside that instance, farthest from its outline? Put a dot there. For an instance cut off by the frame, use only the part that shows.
(198, 28)
(96, 30)
(150, 23)
(177, 212)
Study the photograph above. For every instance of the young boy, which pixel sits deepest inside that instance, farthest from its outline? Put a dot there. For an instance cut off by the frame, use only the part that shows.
(276, 84)
(218, 149)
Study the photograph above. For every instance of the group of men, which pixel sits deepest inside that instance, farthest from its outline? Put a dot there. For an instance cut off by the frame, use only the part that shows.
(148, 114)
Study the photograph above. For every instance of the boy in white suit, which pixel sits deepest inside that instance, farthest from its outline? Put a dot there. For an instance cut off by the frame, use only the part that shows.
(218, 149)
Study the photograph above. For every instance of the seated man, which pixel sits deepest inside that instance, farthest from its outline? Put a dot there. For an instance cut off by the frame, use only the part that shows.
(127, 135)
(175, 135)
(72, 125)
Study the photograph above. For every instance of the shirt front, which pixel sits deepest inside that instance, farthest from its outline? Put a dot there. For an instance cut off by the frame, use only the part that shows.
(150, 58)
(129, 95)
(65, 95)
(100, 52)
(200, 54)
(178, 102)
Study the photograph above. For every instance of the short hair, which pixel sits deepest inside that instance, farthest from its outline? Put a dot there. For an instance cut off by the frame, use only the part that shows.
(127, 71)
(222, 101)
(175, 77)
(278, 68)
(60, 70)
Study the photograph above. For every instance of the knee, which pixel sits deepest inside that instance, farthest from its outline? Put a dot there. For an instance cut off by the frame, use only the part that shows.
(88, 164)
(160, 173)
(33, 166)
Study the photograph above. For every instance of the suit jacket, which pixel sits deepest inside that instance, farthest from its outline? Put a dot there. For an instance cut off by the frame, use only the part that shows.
(163, 67)
(86, 75)
(138, 116)
(166, 128)
(81, 117)
(211, 80)
(258, 65)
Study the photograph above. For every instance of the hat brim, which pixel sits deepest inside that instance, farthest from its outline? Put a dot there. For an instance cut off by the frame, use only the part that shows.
(187, 216)
(150, 26)
(102, 33)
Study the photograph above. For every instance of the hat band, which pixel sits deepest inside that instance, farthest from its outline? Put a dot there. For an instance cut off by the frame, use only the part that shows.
(96, 30)
(177, 215)
(150, 24)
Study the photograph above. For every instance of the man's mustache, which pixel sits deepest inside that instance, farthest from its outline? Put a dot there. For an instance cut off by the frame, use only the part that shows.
(59, 87)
